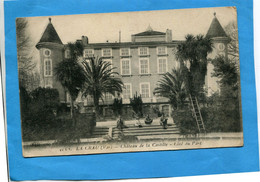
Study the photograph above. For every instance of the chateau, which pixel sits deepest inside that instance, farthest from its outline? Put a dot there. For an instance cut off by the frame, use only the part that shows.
(140, 63)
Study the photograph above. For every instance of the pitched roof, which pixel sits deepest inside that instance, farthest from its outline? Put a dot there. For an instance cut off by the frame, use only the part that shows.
(149, 31)
(50, 34)
(215, 29)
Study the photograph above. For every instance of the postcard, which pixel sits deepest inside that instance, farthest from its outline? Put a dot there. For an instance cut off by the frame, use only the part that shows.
(107, 83)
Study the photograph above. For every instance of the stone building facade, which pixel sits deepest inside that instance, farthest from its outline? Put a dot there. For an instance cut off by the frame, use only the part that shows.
(140, 64)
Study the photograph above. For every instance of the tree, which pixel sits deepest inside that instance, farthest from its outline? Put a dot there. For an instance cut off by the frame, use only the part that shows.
(28, 78)
(137, 104)
(99, 80)
(229, 99)
(117, 106)
(233, 49)
(71, 74)
(172, 86)
(192, 55)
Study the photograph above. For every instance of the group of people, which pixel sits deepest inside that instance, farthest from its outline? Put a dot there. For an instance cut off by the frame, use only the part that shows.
(121, 125)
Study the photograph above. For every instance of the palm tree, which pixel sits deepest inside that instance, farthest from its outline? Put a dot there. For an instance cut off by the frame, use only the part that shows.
(99, 80)
(192, 55)
(71, 74)
(172, 86)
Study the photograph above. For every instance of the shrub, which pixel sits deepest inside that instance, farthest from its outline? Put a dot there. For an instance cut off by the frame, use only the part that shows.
(185, 121)
(137, 104)
(222, 114)
(40, 118)
(117, 106)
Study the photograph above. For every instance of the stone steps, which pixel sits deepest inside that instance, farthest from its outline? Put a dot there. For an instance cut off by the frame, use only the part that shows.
(147, 131)
(99, 132)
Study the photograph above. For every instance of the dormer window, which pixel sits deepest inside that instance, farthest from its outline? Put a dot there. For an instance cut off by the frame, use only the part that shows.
(47, 52)
(161, 50)
(88, 53)
(143, 51)
(107, 52)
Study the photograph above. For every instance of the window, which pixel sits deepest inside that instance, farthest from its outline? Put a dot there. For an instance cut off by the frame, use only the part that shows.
(106, 52)
(67, 53)
(144, 66)
(161, 50)
(67, 97)
(143, 51)
(108, 96)
(125, 51)
(127, 91)
(47, 52)
(47, 67)
(145, 90)
(162, 65)
(48, 82)
(221, 46)
(88, 53)
(125, 67)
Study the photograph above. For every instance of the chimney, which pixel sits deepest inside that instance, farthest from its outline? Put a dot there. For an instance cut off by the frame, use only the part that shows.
(133, 38)
(84, 40)
(168, 37)
(119, 36)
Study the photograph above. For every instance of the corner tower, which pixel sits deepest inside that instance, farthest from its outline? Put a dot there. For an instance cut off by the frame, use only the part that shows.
(219, 38)
(51, 52)
(220, 41)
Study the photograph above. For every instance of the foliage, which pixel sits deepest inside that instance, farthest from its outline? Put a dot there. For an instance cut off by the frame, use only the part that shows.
(85, 126)
(222, 115)
(39, 115)
(223, 112)
(99, 80)
(40, 122)
(28, 78)
(137, 104)
(185, 121)
(233, 49)
(172, 86)
(70, 74)
(24, 101)
(227, 71)
(192, 55)
(117, 106)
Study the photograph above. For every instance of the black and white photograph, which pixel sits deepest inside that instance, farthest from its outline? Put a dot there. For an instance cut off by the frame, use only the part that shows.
(129, 82)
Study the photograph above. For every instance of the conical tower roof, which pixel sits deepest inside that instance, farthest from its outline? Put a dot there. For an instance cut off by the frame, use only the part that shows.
(215, 29)
(50, 35)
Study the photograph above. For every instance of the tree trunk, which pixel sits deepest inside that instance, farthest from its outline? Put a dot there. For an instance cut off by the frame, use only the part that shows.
(71, 108)
(96, 105)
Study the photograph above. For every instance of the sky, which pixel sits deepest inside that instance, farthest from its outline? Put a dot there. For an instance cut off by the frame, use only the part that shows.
(106, 26)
